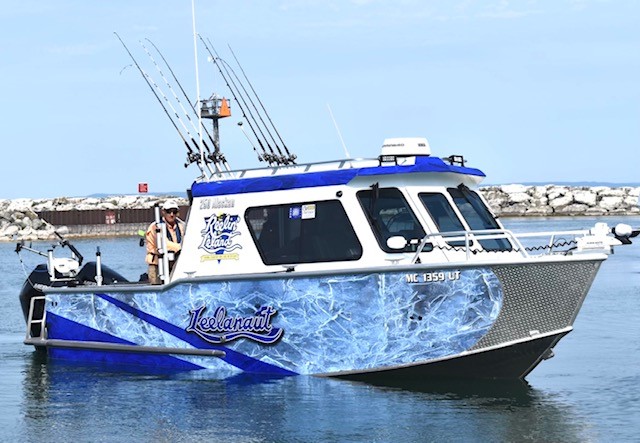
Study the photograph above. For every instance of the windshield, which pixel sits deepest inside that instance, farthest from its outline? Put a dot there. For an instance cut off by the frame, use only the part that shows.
(389, 215)
(478, 216)
(442, 214)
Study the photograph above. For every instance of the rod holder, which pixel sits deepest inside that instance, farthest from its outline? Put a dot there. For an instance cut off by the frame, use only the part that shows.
(98, 266)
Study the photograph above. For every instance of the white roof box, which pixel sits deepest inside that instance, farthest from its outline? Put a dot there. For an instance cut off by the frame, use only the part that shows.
(406, 146)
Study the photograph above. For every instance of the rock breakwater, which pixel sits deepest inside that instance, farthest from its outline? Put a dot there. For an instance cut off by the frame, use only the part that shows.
(20, 219)
(553, 200)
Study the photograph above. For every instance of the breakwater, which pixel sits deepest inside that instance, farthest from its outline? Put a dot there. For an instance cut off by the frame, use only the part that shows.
(34, 219)
(553, 200)
(28, 219)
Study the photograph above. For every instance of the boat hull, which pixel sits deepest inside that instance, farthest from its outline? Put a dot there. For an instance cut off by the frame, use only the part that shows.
(508, 361)
(491, 321)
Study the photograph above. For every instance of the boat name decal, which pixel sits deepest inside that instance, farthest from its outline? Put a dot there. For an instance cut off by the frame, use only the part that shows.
(217, 202)
(432, 277)
(220, 329)
(218, 235)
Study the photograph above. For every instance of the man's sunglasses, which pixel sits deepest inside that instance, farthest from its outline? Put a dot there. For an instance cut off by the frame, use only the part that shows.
(172, 211)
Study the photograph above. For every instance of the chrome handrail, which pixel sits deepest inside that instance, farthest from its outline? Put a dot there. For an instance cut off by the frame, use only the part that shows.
(492, 234)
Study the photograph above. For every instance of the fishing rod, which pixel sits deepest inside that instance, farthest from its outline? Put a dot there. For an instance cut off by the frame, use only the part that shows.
(217, 165)
(192, 157)
(293, 157)
(264, 157)
(282, 158)
(193, 140)
(217, 155)
(269, 158)
(218, 60)
(250, 142)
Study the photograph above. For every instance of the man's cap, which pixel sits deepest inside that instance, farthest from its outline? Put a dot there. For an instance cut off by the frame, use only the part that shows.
(170, 204)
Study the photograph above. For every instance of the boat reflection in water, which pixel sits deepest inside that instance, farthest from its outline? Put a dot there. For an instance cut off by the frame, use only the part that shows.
(62, 399)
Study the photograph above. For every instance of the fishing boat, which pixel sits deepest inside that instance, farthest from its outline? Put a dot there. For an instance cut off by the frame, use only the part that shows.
(392, 267)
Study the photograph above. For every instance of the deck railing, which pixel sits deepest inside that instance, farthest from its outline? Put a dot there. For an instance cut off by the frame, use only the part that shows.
(556, 242)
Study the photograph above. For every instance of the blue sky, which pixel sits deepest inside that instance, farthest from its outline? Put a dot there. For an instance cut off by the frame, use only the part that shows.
(527, 91)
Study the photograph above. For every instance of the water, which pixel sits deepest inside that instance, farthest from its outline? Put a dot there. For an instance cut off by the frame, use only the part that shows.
(589, 392)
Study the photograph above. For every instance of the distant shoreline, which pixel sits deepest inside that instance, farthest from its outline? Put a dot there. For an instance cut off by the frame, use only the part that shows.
(21, 219)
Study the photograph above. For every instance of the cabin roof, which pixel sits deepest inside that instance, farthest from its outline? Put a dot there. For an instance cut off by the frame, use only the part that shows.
(305, 177)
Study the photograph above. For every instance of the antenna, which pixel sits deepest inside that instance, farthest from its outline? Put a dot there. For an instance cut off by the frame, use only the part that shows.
(338, 129)
(195, 54)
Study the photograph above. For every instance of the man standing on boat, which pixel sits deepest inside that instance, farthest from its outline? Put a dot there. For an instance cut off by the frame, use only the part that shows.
(175, 232)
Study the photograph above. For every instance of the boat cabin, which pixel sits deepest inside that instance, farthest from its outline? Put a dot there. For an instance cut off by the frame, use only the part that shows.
(342, 214)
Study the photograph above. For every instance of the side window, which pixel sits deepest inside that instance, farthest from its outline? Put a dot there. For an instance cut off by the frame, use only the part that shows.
(478, 216)
(303, 233)
(389, 215)
(442, 214)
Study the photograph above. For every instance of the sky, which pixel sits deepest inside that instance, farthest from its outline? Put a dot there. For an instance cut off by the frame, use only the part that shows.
(527, 91)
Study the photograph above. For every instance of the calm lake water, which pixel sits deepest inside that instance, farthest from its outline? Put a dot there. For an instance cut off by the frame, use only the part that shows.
(590, 391)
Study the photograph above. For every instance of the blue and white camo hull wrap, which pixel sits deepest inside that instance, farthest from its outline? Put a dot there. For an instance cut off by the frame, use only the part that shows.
(287, 324)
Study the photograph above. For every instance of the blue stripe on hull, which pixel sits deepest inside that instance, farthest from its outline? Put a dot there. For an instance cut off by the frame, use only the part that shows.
(232, 357)
(64, 329)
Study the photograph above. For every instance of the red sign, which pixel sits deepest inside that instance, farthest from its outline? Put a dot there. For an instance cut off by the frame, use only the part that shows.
(143, 188)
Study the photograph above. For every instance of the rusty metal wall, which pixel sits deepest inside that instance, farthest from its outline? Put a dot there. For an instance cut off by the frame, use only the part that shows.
(102, 216)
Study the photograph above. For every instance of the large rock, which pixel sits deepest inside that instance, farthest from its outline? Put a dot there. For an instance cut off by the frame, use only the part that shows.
(560, 201)
(519, 197)
(539, 192)
(20, 205)
(585, 197)
(37, 224)
(611, 203)
(613, 192)
(10, 231)
(495, 197)
(514, 210)
(513, 189)
(43, 206)
(556, 191)
(16, 216)
(128, 201)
